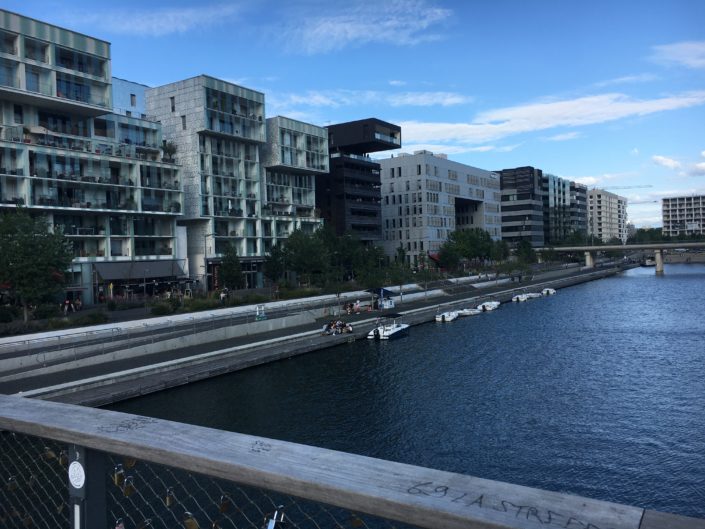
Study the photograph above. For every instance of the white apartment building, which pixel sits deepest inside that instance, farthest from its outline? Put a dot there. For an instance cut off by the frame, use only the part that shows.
(425, 197)
(683, 215)
(607, 215)
(97, 175)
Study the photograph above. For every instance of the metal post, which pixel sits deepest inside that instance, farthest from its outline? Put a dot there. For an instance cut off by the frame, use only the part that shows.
(86, 476)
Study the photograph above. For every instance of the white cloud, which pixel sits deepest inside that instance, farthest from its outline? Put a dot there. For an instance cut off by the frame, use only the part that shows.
(155, 22)
(698, 169)
(640, 78)
(690, 54)
(342, 98)
(702, 153)
(500, 123)
(397, 82)
(664, 161)
(601, 180)
(564, 137)
(634, 152)
(396, 22)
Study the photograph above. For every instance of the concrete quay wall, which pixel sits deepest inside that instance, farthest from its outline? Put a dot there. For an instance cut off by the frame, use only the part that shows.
(114, 386)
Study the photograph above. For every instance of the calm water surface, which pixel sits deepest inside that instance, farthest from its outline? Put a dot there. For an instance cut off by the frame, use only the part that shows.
(598, 391)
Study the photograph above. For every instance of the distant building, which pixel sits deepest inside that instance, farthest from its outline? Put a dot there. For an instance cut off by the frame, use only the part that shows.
(294, 154)
(91, 170)
(683, 215)
(522, 205)
(349, 195)
(607, 215)
(578, 208)
(425, 197)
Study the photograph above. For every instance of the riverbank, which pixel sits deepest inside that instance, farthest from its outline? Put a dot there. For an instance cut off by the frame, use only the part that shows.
(119, 378)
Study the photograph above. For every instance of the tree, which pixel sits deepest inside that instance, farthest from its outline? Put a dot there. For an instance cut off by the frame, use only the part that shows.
(525, 252)
(230, 268)
(33, 260)
(275, 264)
(307, 255)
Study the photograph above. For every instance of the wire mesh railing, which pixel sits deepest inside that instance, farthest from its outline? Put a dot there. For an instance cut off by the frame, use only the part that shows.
(139, 495)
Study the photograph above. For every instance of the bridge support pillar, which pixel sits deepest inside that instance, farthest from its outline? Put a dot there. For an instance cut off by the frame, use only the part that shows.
(658, 257)
(589, 259)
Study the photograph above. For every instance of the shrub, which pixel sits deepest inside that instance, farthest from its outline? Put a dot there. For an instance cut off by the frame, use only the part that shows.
(6, 315)
(162, 309)
(198, 304)
(112, 305)
(43, 312)
(93, 318)
(20, 327)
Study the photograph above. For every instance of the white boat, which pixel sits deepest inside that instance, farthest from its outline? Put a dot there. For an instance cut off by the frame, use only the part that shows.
(519, 298)
(449, 315)
(488, 305)
(526, 296)
(468, 312)
(390, 328)
(548, 291)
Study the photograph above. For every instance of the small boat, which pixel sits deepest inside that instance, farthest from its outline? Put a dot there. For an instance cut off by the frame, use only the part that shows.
(468, 312)
(649, 262)
(449, 315)
(548, 291)
(526, 296)
(390, 328)
(519, 298)
(488, 305)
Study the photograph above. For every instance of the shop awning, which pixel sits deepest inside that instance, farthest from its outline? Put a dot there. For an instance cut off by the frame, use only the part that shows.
(139, 269)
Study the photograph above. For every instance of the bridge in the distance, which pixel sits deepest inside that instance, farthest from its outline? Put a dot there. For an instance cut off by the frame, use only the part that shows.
(657, 248)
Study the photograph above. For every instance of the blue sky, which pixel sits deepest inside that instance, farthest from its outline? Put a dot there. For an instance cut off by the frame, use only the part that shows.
(609, 93)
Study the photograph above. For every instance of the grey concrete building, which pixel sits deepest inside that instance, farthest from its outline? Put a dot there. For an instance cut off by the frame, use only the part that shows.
(684, 215)
(607, 216)
(294, 154)
(425, 197)
(97, 175)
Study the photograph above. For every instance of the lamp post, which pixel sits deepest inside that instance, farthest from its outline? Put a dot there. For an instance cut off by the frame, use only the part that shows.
(144, 291)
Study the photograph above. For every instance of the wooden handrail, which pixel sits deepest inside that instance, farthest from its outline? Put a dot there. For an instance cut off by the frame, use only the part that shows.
(419, 496)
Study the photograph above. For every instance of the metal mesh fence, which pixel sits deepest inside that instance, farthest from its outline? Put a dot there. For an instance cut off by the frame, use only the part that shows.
(140, 495)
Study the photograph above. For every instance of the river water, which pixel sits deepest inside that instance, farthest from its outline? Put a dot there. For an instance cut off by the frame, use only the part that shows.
(597, 391)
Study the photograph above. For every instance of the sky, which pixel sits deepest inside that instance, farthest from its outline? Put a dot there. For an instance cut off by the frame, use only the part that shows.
(607, 93)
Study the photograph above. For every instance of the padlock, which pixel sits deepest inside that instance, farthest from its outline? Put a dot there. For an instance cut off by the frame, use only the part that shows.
(224, 505)
(128, 488)
(189, 521)
(169, 498)
(118, 475)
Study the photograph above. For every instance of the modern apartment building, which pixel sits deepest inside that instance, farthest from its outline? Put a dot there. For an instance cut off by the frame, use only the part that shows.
(564, 209)
(607, 216)
(218, 129)
(97, 175)
(522, 205)
(425, 197)
(349, 195)
(578, 208)
(683, 215)
(294, 154)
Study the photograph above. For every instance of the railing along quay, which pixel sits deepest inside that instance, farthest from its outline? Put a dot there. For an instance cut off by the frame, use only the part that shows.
(70, 466)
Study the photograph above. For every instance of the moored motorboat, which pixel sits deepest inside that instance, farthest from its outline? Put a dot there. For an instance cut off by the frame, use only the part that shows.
(548, 291)
(390, 328)
(468, 312)
(449, 315)
(519, 298)
(488, 305)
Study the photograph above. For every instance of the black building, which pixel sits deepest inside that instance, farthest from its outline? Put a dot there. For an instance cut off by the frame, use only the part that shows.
(349, 196)
(522, 205)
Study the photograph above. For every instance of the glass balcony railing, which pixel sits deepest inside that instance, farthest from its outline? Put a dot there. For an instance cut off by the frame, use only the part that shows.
(387, 138)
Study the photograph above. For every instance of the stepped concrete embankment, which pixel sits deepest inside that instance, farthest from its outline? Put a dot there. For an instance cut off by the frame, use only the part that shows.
(151, 364)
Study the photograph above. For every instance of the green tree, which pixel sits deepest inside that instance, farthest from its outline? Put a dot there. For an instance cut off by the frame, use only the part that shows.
(230, 268)
(33, 260)
(525, 252)
(307, 255)
(499, 251)
(275, 264)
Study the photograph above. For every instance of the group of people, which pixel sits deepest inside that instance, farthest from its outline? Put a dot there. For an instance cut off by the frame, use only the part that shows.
(69, 305)
(354, 308)
(336, 327)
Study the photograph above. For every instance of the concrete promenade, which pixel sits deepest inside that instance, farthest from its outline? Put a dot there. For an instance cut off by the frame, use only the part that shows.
(122, 378)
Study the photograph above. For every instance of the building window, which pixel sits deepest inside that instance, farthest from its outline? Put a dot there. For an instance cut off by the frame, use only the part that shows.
(133, 100)
(183, 122)
(418, 169)
(172, 100)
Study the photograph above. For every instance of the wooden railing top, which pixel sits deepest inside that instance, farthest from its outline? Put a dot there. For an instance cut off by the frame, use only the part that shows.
(406, 493)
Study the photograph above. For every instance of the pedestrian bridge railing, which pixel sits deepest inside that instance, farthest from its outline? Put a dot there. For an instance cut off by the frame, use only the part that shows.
(70, 466)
